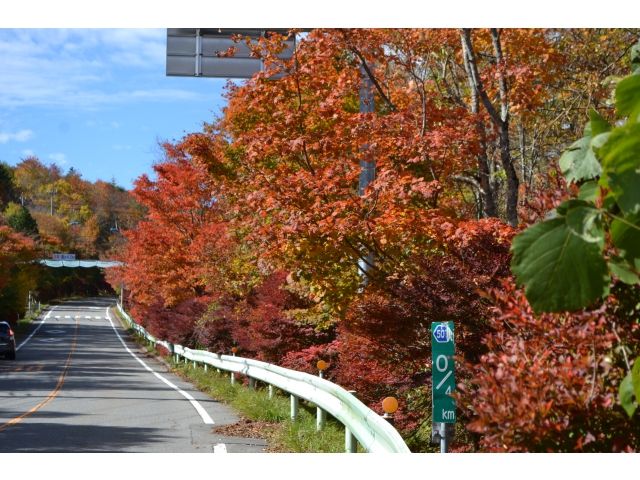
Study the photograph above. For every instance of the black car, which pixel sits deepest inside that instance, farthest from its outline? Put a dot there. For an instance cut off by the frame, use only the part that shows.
(7, 341)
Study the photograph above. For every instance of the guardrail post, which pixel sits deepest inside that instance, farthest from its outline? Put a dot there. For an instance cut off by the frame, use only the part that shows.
(252, 383)
(270, 391)
(205, 367)
(350, 442)
(233, 374)
(321, 419)
(294, 408)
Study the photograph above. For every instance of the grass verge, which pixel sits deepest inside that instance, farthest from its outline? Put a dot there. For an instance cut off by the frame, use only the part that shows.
(285, 436)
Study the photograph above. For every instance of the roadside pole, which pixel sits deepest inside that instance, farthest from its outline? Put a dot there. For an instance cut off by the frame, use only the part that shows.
(368, 165)
(444, 384)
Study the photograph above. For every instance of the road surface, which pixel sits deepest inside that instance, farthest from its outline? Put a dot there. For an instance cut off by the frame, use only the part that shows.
(80, 384)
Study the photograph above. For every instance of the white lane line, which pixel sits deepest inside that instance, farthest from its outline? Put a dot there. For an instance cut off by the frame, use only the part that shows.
(67, 316)
(205, 416)
(88, 317)
(220, 448)
(97, 318)
(57, 316)
(34, 332)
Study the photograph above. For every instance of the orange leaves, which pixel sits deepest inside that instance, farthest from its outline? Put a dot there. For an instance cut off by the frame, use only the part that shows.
(178, 251)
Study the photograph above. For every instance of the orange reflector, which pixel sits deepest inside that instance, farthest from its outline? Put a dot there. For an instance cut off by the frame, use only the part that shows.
(390, 405)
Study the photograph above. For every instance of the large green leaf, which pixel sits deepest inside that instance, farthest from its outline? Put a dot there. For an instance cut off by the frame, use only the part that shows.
(625, 235)
(585, 220)
(621, 162)
(628, 95)
(626, 395)
(635, 378)
(589, 191)
(579, 163)
(621, 269)
(598, 123)
(560, 270)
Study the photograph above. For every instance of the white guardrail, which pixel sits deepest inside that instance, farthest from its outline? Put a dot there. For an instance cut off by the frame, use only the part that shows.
(373, 432)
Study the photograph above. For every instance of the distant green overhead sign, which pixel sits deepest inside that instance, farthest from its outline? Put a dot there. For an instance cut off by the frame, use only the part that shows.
(444, 378)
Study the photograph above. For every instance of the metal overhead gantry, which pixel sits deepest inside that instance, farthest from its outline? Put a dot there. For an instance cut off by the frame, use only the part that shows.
(196, 52)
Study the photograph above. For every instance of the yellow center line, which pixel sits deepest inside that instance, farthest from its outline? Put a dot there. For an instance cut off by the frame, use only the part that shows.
(56, 390)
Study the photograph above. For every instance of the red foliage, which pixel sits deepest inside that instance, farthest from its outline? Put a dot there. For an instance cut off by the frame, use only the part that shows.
(549, 191)
(260, 324)
(549, 383)
(175, 324)
(266, 330)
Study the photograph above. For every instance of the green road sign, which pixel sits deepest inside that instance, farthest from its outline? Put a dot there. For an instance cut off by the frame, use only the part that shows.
(443, 374)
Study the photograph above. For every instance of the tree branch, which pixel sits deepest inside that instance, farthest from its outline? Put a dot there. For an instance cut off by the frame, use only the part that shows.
(368, 71)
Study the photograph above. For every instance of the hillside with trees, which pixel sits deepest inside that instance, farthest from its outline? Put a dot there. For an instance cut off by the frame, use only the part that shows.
(44, 212)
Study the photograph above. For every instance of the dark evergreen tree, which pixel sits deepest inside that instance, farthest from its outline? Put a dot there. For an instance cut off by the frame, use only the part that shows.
(22, 221)
(7, 188)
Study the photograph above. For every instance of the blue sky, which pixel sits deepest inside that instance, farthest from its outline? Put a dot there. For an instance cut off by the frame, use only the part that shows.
(97, 100)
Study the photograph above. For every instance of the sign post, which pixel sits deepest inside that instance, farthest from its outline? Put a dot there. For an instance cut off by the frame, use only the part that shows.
(444, 380)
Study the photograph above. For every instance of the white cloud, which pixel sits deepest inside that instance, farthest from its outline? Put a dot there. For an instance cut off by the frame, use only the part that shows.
(77, 68)
(60, 158)
(21, 136)
(27, 153)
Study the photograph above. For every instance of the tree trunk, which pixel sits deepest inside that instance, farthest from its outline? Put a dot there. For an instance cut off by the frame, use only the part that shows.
(500, 120)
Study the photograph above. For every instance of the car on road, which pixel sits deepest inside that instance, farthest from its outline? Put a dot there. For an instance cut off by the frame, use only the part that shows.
(7, 341)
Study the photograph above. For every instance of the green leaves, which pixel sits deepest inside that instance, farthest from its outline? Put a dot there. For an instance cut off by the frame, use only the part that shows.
(579, 163)
(629, 387)
(625, 235)
(628, 95)
(560, 261)
(620, 268)
(621, 163)
(584, 219)
(635, 58)
(626, 395)
(598, 123)
(588, 191)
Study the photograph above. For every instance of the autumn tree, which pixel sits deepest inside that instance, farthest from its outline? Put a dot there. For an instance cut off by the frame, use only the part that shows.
(16, 254)
(179, 251)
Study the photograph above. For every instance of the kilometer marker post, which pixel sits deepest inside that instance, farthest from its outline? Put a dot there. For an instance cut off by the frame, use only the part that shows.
(444, 380)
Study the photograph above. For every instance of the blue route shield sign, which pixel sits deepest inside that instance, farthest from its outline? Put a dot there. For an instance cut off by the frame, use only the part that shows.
(443, 372)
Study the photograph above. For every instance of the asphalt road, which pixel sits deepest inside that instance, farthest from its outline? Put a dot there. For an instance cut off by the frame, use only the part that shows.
(80, 384)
